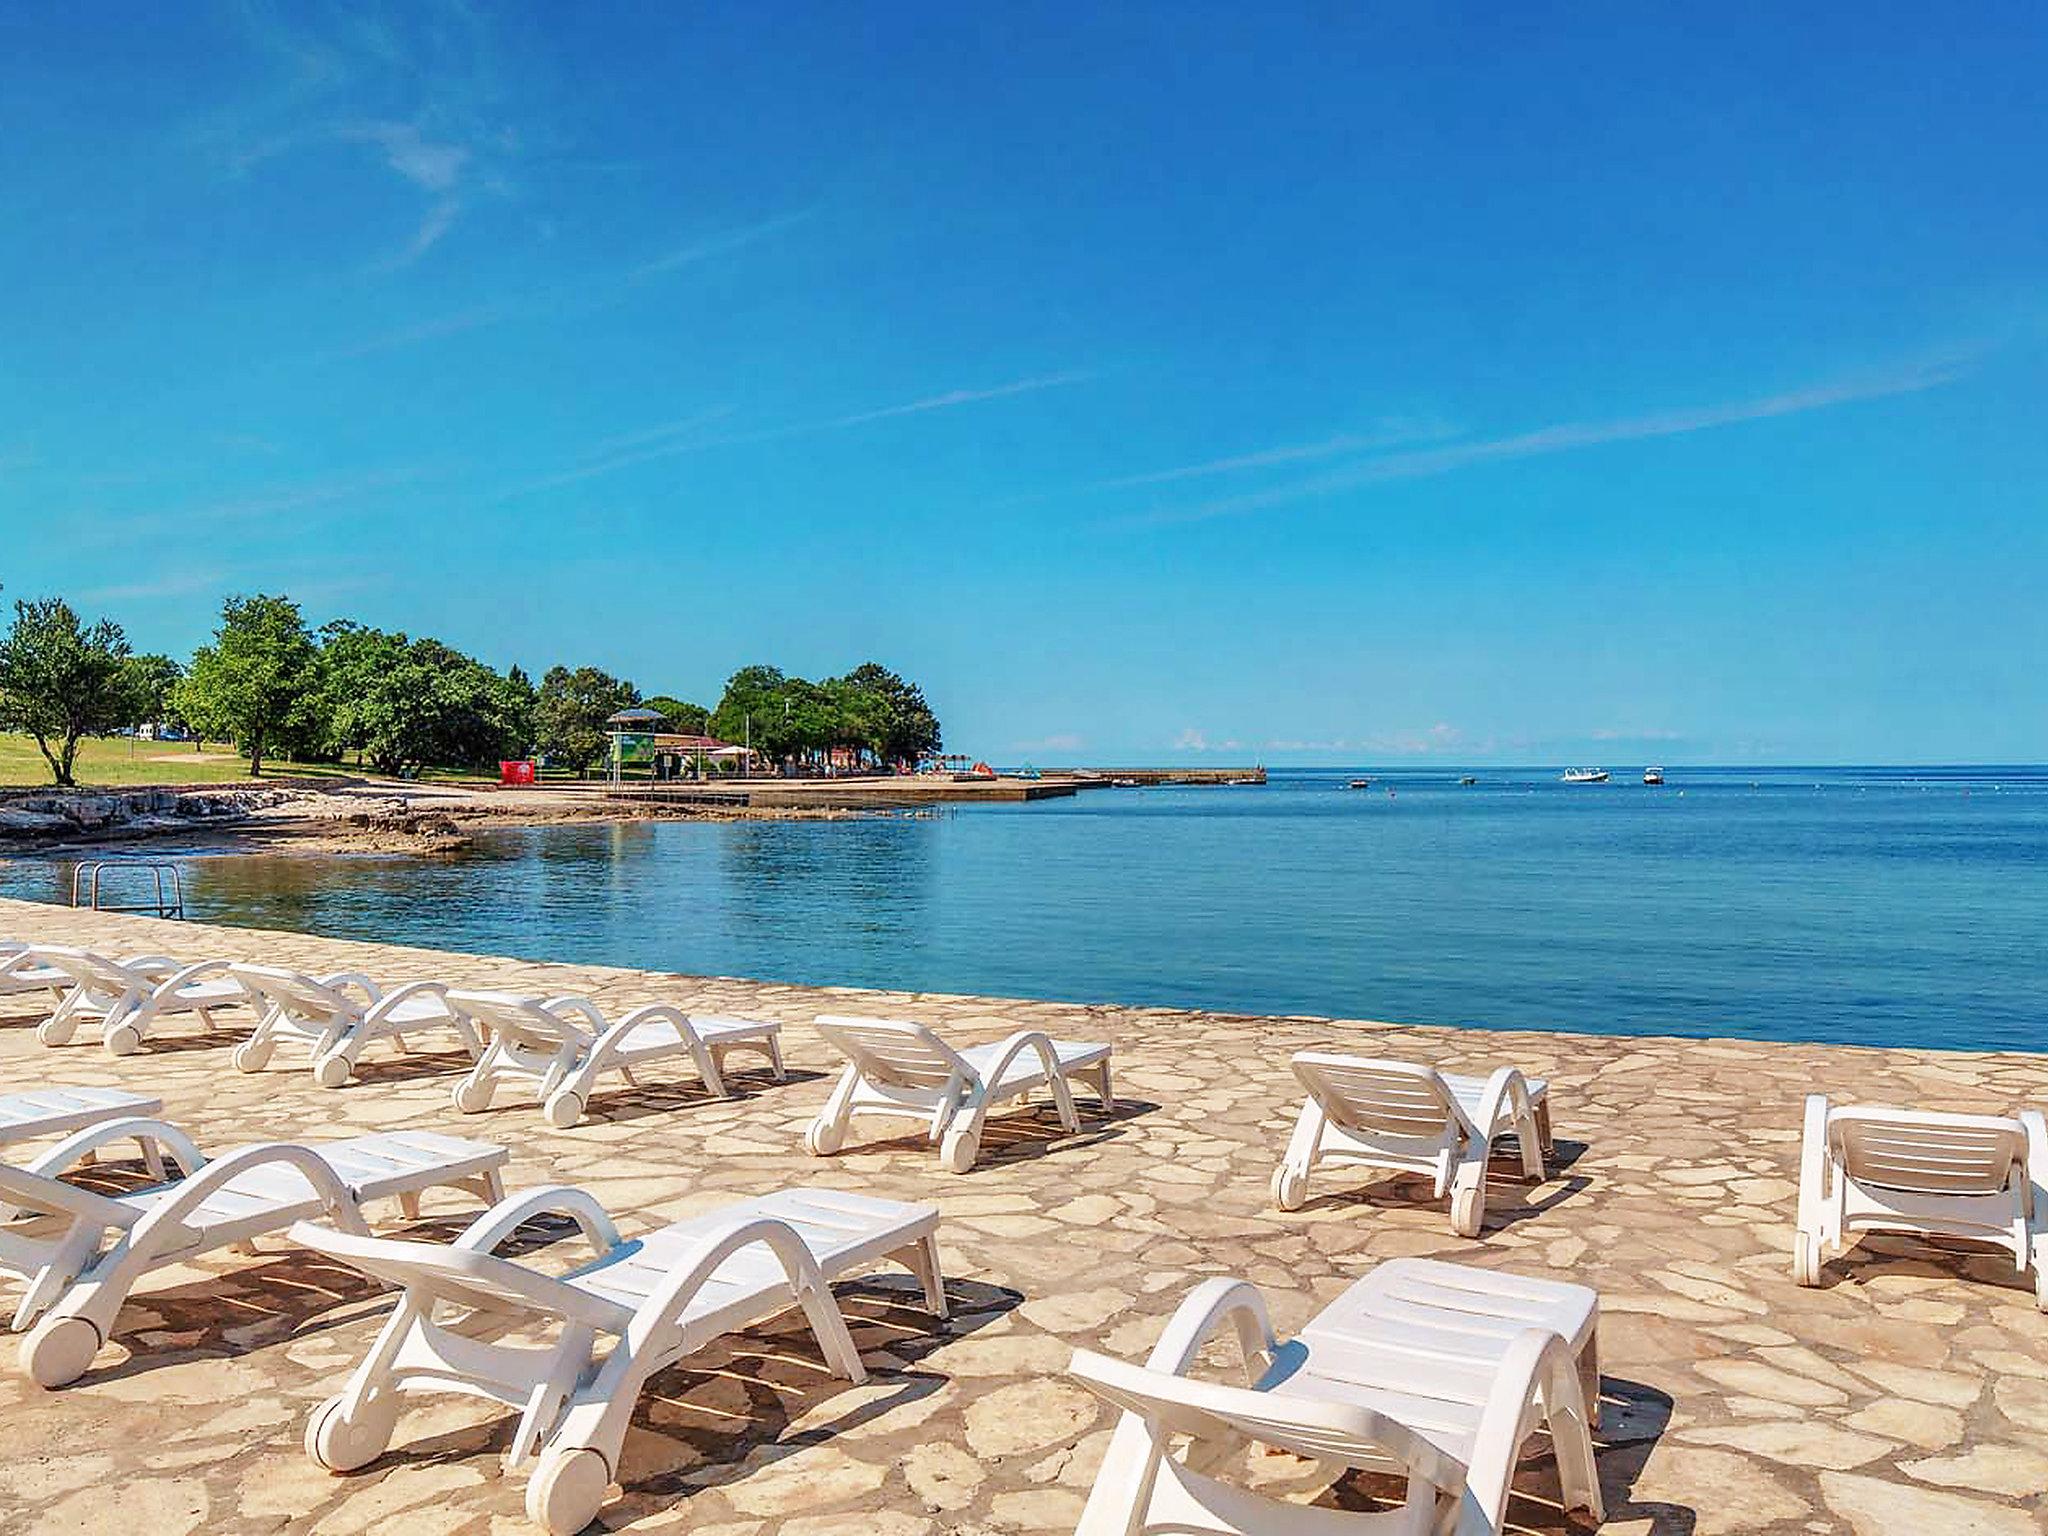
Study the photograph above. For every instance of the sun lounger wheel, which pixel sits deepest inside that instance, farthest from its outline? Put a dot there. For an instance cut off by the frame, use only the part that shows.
(124, 1040)
(567, 1490)
(1468, 1209)
(1806, 1260)
(341, 1444)
(252, 1055)
(59, 1350)
(958, 1151)
(472, 1097)
(56, 1031)
(822, 1139)
(563, 1109)
(331, 1071)
(1290, 1188)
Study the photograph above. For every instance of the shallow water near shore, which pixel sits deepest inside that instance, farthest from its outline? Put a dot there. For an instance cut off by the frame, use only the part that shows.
(1876, 906)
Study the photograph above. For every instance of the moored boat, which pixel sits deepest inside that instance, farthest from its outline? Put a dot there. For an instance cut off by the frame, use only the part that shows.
(1653, 776)
(1584, 776)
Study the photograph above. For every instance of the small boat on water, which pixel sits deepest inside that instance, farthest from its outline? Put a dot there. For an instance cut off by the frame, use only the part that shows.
(1584, 776)
(1470, 778)
(1653, 776)
(1359, 784)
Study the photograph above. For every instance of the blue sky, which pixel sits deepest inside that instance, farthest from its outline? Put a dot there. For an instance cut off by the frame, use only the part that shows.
(1460, 383)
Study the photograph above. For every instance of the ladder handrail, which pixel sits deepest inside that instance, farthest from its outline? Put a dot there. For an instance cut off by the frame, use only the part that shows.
(85, 882)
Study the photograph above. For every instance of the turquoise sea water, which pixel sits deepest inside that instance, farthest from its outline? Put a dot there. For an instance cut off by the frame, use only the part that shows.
(1883, 906)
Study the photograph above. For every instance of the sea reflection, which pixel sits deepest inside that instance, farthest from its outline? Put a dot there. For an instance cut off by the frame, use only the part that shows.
(1866, 905)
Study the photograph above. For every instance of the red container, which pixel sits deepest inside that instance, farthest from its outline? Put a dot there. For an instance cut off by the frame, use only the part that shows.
(520, 772)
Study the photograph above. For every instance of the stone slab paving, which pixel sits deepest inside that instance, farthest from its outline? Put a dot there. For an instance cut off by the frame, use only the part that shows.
(1910, 1394)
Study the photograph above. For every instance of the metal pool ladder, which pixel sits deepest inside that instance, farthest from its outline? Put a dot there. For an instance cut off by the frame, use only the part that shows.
(169, 885)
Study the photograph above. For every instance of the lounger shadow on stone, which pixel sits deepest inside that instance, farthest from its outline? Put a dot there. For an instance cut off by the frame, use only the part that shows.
(900, 1069)
(640, 1305)
(562, 1046)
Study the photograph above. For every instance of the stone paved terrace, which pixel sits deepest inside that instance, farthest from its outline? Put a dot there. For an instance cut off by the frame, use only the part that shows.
(1908, 1395)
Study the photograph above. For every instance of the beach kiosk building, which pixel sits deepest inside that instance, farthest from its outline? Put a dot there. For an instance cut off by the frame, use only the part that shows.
(641, 749)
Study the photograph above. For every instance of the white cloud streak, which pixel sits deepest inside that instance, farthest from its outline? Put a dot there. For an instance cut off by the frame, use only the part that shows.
(660, 449)
(1568, 436)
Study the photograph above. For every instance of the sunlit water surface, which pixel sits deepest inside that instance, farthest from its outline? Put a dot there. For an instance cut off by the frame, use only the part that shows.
(1886, 906)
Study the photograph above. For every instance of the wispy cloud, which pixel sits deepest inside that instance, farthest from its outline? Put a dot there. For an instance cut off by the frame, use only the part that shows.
(725, 242)
(1565, 437)
(432, 75)
(430, 165)
(295, 501)
(1635, 733)
(662, 442)
(575, 295)
(436, 222)
(953, 397)
(1440, 740)
(674, 439)
(1058, 741)
(1391, 433)
(176, 584)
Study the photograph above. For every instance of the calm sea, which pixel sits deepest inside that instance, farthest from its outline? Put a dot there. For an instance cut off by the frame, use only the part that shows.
(1884, 906)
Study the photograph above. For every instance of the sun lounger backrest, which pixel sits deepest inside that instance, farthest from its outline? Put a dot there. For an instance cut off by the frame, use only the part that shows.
(1343, 1433)
(1926, 1152)
(466, 1278)
(95, 970)
(25, 1191)
(1379, 1098)
(897, 1052)
(522, 1017)
(297, 994)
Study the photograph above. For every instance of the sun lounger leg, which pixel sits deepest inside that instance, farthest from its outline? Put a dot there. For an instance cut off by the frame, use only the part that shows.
(1468, 1192)
(922, 1260)
(827, 1134)
(1290, 1179)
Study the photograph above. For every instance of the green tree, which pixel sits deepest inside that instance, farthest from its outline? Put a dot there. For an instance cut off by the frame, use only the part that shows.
(255, 683)
(570, 712)
(399, 703)
(355, 662)
(895, 722)
(689, 719)
(152, 680)
(61, 680)
(758, 708)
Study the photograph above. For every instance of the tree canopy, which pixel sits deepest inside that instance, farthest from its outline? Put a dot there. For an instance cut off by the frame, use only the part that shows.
(871, 713)
(253, 684)
(61, 680)
(396, 702)
(404, 703)
(570, 712)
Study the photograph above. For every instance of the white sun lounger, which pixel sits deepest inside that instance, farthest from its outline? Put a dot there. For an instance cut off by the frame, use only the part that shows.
(81, 1252)
(1394, 1115)
(1871, 1169)
(129, 997)
(564, 1044)
(658, 1298)
(899, 1068)
(57, 1111)
(1435, 1371)
(22, 973)
(337, 1017)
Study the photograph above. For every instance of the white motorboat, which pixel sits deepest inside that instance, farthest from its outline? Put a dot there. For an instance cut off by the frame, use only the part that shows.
(1584, 776)
(1653, 776)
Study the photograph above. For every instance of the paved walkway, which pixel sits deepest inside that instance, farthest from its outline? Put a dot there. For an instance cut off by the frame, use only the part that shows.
(1909, 1395)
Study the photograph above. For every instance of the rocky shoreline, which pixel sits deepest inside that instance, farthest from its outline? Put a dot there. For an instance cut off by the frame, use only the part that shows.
(330, 816)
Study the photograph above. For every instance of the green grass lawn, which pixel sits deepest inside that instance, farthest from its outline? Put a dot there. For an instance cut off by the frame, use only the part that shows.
(116, 761)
